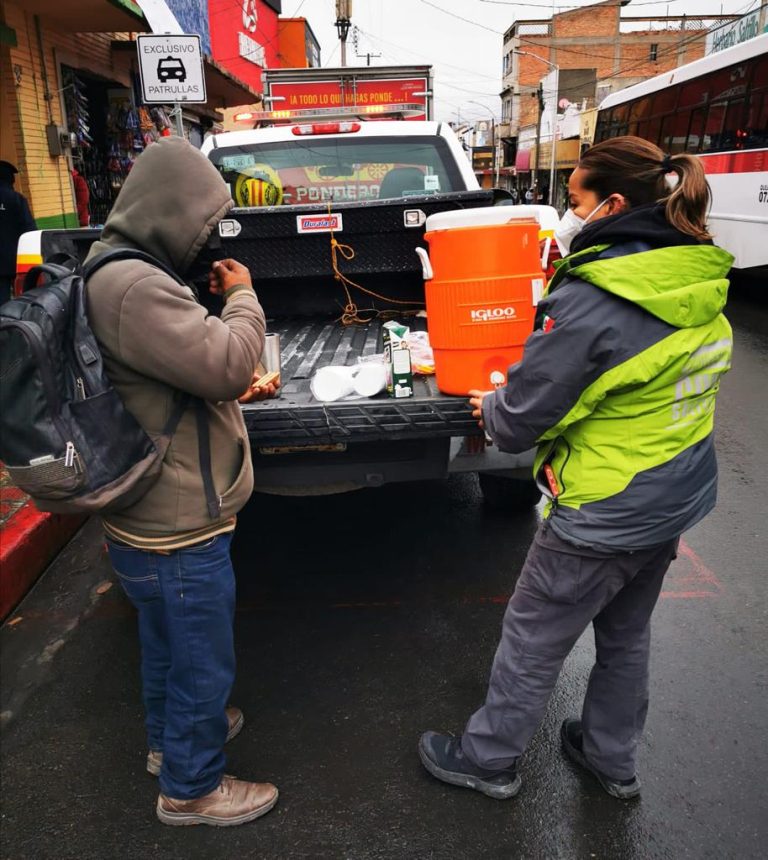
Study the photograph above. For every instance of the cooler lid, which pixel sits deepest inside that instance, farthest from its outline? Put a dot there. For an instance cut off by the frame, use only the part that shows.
(488, 216)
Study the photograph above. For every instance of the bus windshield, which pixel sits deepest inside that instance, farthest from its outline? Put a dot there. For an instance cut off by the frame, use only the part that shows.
(318, 170)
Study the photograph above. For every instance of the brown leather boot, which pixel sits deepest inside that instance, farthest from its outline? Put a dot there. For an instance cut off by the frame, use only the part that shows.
(233, 802)
(236, 720)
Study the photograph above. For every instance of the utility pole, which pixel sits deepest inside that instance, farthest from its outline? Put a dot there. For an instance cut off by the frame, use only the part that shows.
(495, 165)
(540, 97)
(343, 23)
(540, 93)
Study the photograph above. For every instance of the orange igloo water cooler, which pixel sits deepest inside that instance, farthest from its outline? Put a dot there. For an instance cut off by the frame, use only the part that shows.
(482, 279)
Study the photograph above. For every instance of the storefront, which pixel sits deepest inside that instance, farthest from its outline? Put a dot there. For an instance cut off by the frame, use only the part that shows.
(567, 154)
(245, 37)
(72, 118)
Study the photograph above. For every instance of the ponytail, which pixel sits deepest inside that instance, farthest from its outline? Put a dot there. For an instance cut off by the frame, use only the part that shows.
(637, 169)
(686, 207)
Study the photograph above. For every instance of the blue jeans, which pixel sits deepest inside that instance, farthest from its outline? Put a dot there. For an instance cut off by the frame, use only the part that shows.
(186, 604)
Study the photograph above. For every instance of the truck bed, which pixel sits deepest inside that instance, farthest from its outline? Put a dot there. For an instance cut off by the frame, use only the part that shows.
(296, 418)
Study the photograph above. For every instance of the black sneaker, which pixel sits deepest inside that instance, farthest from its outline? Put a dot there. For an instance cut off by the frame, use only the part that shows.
(571, 736)
(444, 758)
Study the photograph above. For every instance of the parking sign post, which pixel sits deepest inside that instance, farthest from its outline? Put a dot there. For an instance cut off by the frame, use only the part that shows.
(171, 71)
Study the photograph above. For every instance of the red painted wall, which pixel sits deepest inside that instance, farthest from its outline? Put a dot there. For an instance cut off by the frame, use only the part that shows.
(235, 26)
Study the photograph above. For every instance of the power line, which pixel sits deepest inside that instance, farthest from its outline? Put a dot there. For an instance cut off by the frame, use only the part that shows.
(574, 6)
(424, 56)
(461, 18)
(672, 49)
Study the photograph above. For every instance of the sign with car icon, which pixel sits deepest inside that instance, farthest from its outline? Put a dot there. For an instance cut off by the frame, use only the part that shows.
(171, 68)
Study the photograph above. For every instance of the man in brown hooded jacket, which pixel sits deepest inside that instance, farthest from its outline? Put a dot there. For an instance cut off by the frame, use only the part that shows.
(170, 549)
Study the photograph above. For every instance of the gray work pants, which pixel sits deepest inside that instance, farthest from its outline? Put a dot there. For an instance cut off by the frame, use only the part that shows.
(559, 592)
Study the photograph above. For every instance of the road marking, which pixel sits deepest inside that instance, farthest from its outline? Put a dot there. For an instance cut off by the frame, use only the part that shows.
(690, 578)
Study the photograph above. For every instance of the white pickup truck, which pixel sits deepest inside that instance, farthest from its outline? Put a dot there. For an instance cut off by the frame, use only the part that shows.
(375, 183)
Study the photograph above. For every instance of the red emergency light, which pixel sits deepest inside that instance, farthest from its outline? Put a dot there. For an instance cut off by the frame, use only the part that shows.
(326, 128)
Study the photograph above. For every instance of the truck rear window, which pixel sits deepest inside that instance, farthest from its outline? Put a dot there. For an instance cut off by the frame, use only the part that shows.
(317, 170)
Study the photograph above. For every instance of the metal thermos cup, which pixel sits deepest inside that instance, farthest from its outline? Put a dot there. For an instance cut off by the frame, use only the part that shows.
(270, 358)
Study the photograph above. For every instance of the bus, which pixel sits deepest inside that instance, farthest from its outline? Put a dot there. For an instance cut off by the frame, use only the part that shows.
(717, 109)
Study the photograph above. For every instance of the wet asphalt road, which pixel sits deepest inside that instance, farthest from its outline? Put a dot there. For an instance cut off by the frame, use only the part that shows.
(355, 633)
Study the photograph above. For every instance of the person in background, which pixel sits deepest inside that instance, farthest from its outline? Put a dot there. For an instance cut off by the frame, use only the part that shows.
(529, 198)
(171, 548)
(617, 387)
(82, 198)
(15, 219)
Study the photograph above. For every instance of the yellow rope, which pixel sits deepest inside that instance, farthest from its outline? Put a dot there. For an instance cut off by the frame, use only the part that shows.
(351, 312)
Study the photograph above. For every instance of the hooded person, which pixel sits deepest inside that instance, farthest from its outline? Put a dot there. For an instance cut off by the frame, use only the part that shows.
(170, 549)
(617, 388)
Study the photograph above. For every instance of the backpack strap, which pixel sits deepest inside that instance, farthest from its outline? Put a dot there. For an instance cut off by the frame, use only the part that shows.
(53, 270)
(201, 410)
(174, 418)
(95, 263)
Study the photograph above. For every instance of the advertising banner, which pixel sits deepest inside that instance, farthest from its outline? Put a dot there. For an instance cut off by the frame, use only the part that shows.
(311, 95)
(244, 37)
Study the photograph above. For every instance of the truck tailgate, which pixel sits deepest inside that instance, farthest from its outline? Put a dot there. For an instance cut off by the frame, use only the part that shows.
(296, 418)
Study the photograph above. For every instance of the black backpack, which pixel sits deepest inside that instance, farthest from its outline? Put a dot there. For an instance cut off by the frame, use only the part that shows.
(66, 437)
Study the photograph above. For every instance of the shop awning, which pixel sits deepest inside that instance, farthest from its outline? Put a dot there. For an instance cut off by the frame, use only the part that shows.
(523, 160)
(225, 90)
(89, 16)
(566, 154)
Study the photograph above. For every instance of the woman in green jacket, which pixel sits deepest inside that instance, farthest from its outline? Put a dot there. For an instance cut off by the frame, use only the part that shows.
(617, 388)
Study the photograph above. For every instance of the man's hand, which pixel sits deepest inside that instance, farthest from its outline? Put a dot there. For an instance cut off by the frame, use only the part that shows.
(226, 274)
(476, 402)
(259, 392)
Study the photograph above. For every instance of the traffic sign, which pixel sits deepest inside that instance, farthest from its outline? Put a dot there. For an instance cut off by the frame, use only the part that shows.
(171, 68)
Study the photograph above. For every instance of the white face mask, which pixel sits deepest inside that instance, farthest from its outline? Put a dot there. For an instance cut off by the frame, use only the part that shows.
(570, 225)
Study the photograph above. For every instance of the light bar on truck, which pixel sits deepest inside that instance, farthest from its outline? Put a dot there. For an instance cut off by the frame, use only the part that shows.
(326, 128)
(403, 110)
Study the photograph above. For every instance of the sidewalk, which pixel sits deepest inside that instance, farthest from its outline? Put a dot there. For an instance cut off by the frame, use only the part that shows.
(29, 540)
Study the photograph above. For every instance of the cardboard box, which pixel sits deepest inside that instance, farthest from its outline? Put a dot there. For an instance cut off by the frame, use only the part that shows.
(397, 359)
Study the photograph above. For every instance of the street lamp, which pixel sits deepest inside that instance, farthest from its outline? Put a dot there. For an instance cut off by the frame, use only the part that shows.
(554, 120)
(493, 137)
(343, 23)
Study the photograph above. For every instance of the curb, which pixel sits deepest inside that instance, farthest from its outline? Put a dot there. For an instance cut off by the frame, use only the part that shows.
(29, 540)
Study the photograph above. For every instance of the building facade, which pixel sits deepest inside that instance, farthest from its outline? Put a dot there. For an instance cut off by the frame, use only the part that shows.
(552, 68)
(70, 100)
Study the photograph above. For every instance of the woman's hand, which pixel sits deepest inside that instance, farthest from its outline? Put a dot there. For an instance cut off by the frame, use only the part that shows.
(476, 402)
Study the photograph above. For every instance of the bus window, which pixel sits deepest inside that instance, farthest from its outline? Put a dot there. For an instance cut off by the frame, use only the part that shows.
(640, 109)
(674, 132)
(693, 93)
(619, 120)
(603, 125)
(756, 122)
(696, 130)
(713, 129)
(665, 101)
(760, 73)
(650, 129)
(734, 120)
